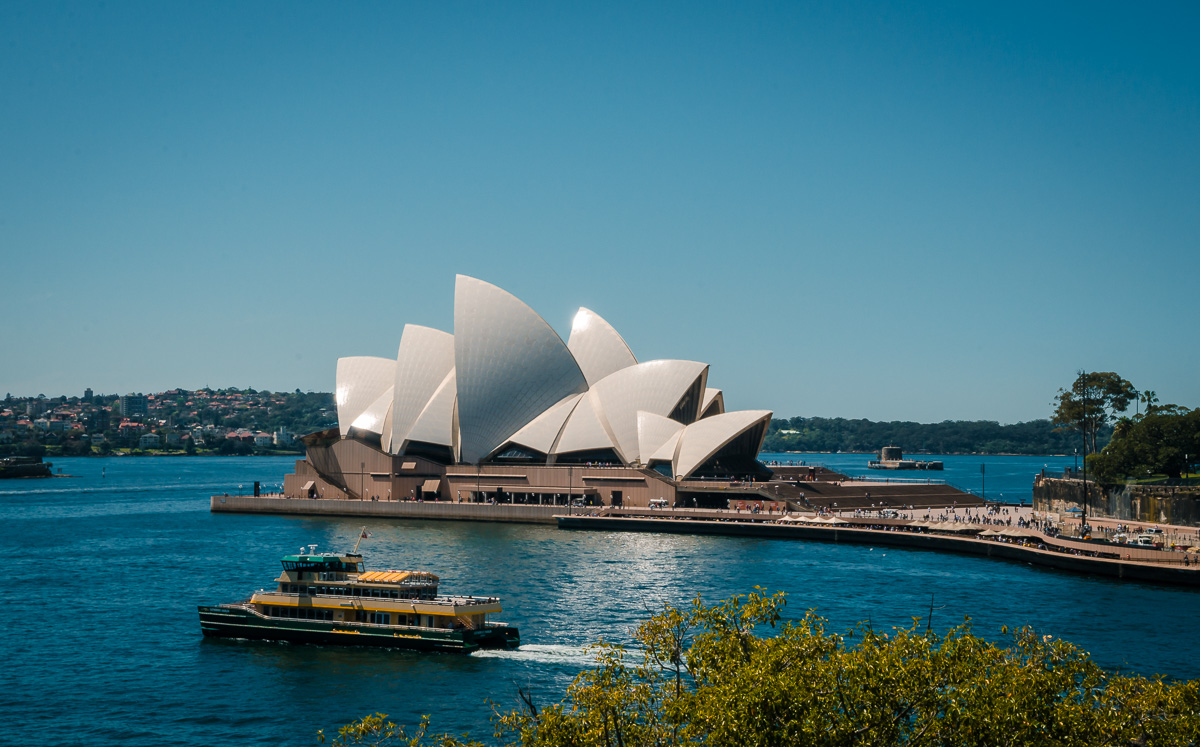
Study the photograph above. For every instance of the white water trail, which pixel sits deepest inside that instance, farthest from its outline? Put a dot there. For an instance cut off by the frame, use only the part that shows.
(542, 653)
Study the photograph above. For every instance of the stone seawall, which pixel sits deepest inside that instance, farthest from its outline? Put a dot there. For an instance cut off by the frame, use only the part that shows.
(444, 511)
(1141, 503)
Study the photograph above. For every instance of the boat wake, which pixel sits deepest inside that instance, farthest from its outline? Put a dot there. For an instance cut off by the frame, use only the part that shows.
(96, 490)
(542, 653)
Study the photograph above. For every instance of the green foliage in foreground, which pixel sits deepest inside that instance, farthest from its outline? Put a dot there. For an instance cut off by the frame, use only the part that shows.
(737, 674)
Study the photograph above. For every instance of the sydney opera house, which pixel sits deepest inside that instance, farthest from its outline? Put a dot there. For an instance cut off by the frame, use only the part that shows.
(503, 410)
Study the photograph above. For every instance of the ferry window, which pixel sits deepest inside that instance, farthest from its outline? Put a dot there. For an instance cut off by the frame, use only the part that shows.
(380, 618)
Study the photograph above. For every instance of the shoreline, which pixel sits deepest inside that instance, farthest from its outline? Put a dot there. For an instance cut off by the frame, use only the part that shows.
(856, 534)
(1148, 566)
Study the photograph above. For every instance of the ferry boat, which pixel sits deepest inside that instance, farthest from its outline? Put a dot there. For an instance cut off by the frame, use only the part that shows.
(329, 598)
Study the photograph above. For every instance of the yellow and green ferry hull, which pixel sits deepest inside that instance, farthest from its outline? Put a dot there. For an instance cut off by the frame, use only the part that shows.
(238, 622)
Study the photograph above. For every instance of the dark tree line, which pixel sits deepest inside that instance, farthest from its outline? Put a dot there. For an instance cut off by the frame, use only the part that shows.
(947, 437)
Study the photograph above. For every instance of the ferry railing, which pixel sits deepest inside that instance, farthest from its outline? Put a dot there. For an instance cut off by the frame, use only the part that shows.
(443, 601)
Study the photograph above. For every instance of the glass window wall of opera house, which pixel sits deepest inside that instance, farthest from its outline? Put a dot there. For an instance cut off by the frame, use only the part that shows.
(504, 411)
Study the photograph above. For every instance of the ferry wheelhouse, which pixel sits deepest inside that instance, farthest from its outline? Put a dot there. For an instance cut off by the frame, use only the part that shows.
(331, 599)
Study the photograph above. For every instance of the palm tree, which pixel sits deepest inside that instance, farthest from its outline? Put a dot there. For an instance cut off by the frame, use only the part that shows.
(1151, 399)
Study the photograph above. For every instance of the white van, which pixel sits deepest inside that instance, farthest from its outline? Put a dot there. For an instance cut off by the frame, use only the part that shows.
(1144, 540)
(658, 503)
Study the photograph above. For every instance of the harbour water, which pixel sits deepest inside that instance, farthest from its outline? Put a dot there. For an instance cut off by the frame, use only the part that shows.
(102, 646)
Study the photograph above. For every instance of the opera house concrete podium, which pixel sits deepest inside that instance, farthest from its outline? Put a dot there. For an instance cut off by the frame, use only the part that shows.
(503, 411)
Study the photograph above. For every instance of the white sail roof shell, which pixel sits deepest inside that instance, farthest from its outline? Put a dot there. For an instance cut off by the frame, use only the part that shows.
(511, 366)
(598, 348)
(701, 440)
(585, 430)
(653, 386)
(423, 360)
(667, 452)
(541, 432)
(435, 424)
(372, 419)
(361, 380)
(654, 431)
(714, 401)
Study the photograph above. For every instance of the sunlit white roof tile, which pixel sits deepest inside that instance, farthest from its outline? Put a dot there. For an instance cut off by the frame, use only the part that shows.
(667, 452)
(654, 431)
(423, 360)
(585, 430)
(511, 366)
(541, 432)
(597, 347)
(435, 424)
(654, 386)
(704, 438)
(371, 419)
(361, 380)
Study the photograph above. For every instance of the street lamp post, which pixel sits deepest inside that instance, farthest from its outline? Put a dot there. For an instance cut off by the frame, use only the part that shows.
(1083, 503)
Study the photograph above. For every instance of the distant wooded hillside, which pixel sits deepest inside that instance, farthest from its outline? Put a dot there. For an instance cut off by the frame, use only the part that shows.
(947, 437)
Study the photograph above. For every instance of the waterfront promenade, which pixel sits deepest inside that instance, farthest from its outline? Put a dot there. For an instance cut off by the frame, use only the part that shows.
(1003, 542)
(1004, 532)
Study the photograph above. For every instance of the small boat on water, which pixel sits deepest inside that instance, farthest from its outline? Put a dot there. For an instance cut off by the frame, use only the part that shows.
(329, 598)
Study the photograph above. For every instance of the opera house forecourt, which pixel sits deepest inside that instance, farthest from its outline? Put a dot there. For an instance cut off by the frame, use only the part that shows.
(503, 411)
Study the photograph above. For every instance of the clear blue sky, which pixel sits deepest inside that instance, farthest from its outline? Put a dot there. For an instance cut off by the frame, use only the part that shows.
(847, 209)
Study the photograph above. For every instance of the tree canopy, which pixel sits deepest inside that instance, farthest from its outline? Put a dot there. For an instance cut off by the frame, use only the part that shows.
(1164, 441)
(947, 437)
(1091, 403)
(738, 673)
